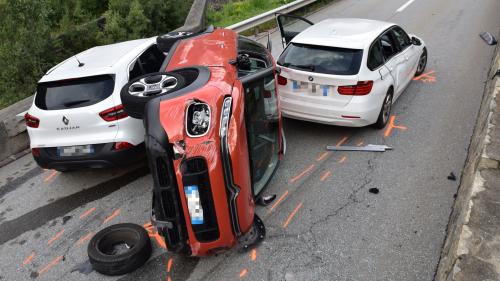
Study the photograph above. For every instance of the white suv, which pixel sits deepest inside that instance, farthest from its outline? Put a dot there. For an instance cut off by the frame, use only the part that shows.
(77, 118)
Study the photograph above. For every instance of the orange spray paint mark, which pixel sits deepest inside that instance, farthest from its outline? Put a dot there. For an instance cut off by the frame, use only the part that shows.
(154, 234)
(51, 176)
(325, 176)
(299, 176)
(427, 77)
(112, 216)
(169, 264)
(292, 214)
(243, 273)
(391, 126)
(279, 201)
(342, 141)
(253, 255)
(342, 160)
(169, 278)
(360, 143)
(50, 265)
(29, 259)
(88, 212)
(55, 237)
(323, 156)
(84, 238)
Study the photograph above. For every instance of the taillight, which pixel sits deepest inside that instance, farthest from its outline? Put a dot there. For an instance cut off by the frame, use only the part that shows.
(114, 113)
(35, 152)
(123, 145)
(282, 80)
(360, 89)
(31, 121)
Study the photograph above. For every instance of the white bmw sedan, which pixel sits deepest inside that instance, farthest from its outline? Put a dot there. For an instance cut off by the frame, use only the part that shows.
(345, 72)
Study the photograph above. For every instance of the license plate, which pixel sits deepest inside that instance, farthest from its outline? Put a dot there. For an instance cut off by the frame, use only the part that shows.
(76, 150)
(311, 88)
(194, 204)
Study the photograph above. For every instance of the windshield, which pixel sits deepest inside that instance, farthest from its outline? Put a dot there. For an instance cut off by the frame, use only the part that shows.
(321, 59)
(74, 93)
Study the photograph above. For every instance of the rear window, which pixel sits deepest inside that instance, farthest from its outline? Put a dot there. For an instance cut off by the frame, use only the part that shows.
(321, 59)
(74, 93)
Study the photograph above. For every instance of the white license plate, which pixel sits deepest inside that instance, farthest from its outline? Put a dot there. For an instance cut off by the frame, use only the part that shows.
(76, 150)
(194, 204)
(311, 88)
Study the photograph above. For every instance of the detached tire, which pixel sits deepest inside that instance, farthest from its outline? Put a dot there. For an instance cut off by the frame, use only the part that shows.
(137, 92)
(119, 249)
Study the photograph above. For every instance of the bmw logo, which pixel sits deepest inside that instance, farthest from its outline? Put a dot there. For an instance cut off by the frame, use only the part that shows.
(311, 78)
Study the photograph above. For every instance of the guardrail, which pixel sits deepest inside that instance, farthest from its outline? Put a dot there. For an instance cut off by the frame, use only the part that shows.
(13, 136)
(267, 16)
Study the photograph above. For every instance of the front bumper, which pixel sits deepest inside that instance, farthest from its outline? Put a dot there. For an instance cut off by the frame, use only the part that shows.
(104, 156)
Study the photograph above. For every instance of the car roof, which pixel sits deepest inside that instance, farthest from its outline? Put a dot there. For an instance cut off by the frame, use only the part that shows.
(349, 33)
(98, 60)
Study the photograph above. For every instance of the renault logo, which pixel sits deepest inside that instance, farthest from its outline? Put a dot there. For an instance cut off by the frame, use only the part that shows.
(311, 78)
(65, 120)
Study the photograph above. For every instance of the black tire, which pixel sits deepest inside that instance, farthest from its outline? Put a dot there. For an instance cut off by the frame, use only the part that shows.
(134, 103)
(422, 63)
(385, 111)
(103, 247)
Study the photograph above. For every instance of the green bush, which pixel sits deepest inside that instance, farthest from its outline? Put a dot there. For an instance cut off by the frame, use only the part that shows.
(37, 34)
(236, 11)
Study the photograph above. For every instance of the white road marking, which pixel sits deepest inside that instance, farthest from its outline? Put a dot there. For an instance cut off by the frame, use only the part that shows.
(404, 6)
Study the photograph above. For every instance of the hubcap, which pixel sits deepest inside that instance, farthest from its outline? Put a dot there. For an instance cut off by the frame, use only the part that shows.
(152, 86)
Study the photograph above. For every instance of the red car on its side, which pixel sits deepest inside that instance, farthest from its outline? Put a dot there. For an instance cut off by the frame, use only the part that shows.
(213, 138)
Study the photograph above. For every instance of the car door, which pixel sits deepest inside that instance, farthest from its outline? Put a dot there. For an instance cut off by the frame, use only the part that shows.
(407, 57)
(261, 120)
(392, 60)
(290, 26)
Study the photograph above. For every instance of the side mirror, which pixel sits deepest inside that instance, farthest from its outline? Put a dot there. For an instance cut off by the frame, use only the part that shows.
(416, 41)
(269, 43)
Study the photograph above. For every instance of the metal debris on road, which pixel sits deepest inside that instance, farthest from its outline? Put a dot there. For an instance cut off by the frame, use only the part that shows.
(369, 148)
(488, 38)
(452, 177)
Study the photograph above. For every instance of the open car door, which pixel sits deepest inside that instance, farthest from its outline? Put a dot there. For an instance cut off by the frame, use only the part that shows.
(290, 26)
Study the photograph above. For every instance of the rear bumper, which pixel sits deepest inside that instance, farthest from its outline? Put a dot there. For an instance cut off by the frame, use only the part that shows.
(366, 111)
(105, 156)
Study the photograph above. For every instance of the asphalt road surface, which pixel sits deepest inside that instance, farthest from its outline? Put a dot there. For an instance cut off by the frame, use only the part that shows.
(328, 226)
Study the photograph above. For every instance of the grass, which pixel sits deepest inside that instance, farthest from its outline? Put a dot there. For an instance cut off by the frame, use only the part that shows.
(238, 10)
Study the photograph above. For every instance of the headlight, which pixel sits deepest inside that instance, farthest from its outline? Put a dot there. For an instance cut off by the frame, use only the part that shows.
(197, 119)
(224, 120)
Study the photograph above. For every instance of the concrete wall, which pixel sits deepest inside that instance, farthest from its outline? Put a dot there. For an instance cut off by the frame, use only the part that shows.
(13, 135)
(472, 247)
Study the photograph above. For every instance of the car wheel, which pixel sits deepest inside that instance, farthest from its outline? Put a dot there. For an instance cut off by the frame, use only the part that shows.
(136, 93)
(119, 249)
(385, 111)
(422, 63)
